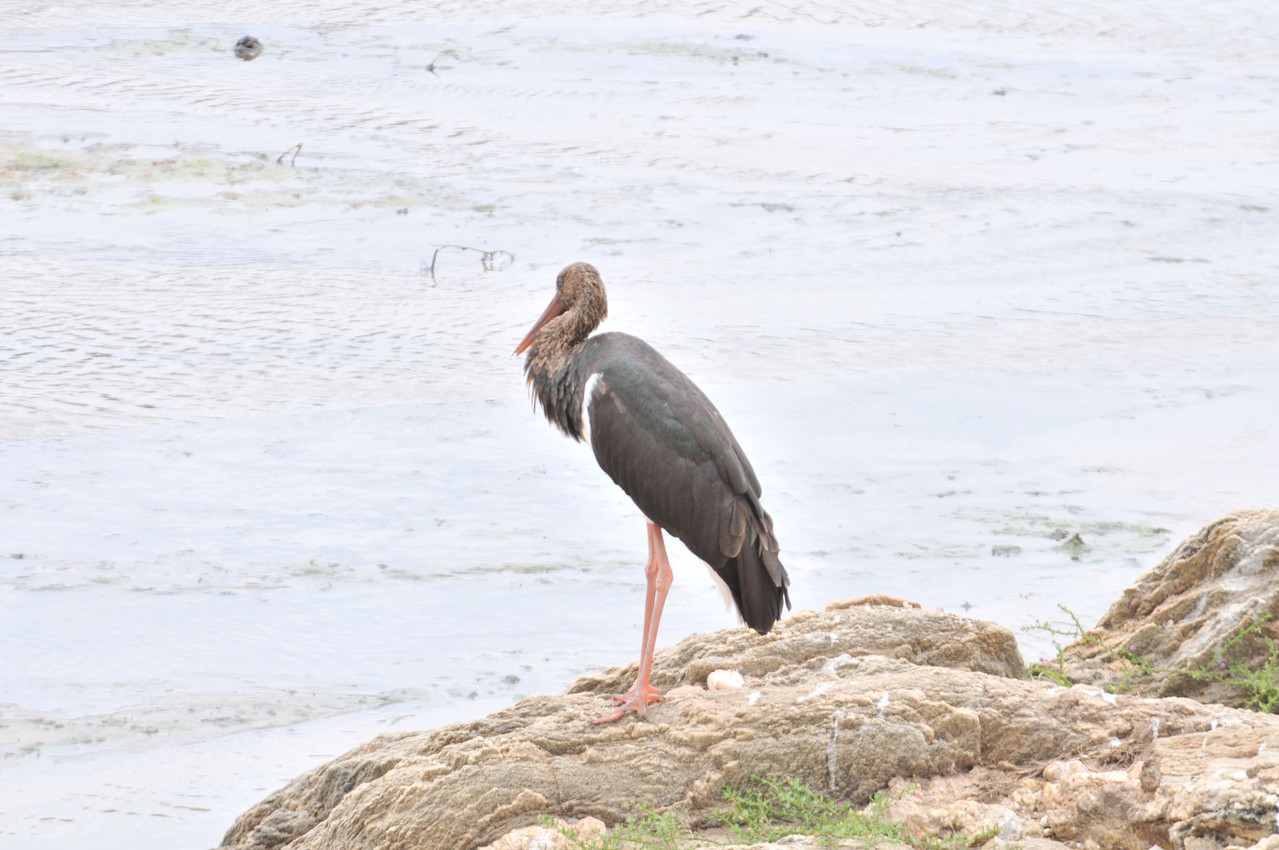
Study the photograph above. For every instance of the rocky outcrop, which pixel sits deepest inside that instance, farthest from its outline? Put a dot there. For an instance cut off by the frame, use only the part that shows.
(467, 784)
(855, 700)
(1209, 607)
(871, 625)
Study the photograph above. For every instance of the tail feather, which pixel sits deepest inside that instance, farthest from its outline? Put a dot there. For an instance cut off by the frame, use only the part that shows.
(758, 582)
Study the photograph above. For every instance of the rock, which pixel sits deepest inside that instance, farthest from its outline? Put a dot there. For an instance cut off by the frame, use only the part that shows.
(1270, 842)
(724, 680)
(873, 599)
(852, 701)
(549, 838)
(947, 809)
(1190, 613)
(807, 641)
(471, 783)
(541, 838)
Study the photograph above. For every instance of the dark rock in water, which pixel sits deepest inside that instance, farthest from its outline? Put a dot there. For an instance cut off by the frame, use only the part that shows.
(248, 48)
(1074, 546)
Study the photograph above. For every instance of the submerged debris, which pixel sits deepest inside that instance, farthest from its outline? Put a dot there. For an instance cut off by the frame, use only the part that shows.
(248, 48)
(1074, 546)
(489, 259)
(295, 150)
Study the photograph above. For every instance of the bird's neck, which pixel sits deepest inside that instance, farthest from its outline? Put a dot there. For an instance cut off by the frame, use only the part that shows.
(558, 363)
(558, 374)
(571, 328)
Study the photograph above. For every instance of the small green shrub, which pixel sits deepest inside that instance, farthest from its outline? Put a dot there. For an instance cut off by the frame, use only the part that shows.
(1260, 686)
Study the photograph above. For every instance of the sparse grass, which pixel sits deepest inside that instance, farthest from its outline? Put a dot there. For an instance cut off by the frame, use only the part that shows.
(1260, 686)
(1055, 669)
(1132, 665)
(769, 810)
(773, 809)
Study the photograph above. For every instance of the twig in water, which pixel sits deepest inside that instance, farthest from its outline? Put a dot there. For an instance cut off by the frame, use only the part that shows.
(297, 149)
(431, 65)
(488, 259)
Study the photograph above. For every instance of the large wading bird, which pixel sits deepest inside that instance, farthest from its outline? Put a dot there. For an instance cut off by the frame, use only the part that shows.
(662, 441)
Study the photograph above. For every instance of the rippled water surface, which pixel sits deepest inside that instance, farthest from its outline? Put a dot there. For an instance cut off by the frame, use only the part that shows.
(967, 282)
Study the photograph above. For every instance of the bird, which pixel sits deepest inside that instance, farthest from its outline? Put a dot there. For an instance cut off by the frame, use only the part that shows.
(658, 436)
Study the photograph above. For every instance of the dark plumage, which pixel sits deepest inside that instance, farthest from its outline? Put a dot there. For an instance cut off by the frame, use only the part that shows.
(662, 441)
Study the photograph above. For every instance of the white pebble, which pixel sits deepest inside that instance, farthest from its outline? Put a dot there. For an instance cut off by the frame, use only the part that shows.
(724, 680)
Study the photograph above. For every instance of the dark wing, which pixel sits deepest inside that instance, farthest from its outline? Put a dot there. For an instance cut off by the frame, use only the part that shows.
(658, 436)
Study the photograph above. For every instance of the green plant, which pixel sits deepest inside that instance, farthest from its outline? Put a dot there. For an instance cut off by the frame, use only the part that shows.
(1260, 686)
(1131, 664)
(1055, 669)
(648, 829)
(775, 808)
(768, 810)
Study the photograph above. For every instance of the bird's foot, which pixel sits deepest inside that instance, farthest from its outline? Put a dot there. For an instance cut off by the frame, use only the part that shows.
(636, 700)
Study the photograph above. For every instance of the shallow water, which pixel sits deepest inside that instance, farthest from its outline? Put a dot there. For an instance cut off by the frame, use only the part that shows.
(964, 285)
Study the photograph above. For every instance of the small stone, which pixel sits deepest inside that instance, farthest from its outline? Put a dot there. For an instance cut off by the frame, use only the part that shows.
(1058, 771)
(1150, 777)
(724, 680)
(531, 838)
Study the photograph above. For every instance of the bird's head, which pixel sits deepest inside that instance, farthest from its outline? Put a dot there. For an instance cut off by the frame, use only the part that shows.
(580, 299)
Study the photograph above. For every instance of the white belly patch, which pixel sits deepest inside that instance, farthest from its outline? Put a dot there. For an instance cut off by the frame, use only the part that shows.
(587, 392)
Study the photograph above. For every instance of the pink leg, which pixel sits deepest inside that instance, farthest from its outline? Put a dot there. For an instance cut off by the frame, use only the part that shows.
(658, 573)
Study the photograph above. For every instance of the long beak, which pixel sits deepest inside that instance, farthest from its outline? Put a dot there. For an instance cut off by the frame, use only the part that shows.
(552, 310)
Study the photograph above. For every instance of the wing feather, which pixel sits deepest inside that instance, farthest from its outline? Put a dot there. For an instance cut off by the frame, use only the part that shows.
(663, 442)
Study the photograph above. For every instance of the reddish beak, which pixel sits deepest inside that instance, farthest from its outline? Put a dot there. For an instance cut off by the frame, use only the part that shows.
(552, 310)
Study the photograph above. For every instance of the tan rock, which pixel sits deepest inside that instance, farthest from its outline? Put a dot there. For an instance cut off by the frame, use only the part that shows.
(531, 838)
(952, 806)
(1270, 842)
(796, 842)
(808, 640)
(855, 700)
(982, 749)
(1182, 614)
(724, 680)
(873, 599)
(554, 837)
